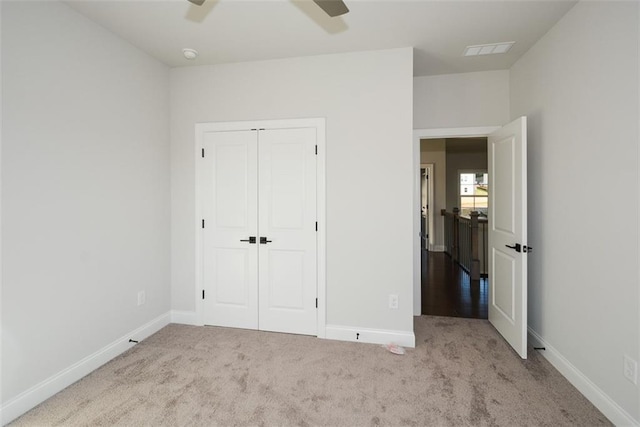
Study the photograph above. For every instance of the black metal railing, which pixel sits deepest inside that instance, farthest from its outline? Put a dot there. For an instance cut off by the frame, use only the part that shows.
(466, 241)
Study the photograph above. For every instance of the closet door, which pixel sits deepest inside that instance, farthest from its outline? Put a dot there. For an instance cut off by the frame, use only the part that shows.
(229, 203)
(287, 230)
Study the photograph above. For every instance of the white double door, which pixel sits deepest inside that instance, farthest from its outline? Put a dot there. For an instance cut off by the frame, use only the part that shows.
(258, 205)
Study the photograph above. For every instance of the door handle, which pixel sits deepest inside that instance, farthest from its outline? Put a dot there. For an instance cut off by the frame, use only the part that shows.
(517, 247)
(264, 241)
(251, 239)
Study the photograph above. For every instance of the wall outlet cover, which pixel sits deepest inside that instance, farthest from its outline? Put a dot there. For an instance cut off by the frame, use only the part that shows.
(142, 298)
(393, 301)
(630, 369)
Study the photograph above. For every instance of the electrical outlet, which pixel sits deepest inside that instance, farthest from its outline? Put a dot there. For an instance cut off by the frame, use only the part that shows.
(393, 301)
(630, 369)
(142, 297)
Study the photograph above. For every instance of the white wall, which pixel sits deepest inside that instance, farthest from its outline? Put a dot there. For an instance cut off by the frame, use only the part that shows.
(579, 88)
(1, 174)
(366, 99)
(461, 100)
(434, 151)
(1, 334)
(85, 190)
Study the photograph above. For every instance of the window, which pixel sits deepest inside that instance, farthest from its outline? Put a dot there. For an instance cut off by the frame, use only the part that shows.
(474, 193)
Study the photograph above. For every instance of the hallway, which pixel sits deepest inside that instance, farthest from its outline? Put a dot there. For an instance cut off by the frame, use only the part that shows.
(447, 289)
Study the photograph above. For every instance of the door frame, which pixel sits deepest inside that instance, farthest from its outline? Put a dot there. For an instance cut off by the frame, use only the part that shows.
(434, 133)
(320, 125)
(430, 186)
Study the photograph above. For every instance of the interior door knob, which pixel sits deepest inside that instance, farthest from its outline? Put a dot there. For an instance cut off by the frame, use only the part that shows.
(264, 241)
(517, 247)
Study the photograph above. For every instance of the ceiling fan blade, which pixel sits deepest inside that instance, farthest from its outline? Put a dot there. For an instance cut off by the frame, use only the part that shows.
(331, 7)
(197, 2)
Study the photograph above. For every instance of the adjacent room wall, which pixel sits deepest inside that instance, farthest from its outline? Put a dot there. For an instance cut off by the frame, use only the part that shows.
(579, 88)
(434, 151)
(366, 100)
(85, 191)
(461, 100)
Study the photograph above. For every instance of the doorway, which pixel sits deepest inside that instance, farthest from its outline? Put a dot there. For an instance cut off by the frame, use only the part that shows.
(451, 281)
(439, 197)
(507, 234)
(426, 202)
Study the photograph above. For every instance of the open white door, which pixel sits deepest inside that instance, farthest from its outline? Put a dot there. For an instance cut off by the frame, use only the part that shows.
(507, 152)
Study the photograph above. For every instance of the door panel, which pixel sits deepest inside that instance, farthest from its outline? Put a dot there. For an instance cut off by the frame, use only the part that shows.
(504, 267)
(287, 200)
(232, 269)
(286, 271)
(286, 181)
(508, 227)
(229, 203)
(231, 168)
(504, 157)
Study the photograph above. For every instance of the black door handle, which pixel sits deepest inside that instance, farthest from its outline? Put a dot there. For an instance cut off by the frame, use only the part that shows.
(264, 241)
(517, 247)
(251, 239)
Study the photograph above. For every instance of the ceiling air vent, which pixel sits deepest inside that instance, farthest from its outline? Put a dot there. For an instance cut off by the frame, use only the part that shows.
(488, 49)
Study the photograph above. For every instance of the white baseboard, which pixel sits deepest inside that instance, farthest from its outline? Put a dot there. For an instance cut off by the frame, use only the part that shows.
(371, 336)
(592, 392)
(52, 385)
(185, 317)
(438, 248)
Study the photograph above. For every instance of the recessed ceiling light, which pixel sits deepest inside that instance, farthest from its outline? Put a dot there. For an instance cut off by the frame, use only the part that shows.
(190, 54)
(488, 49)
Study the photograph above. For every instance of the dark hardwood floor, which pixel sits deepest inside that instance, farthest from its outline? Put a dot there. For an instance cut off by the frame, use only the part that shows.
(447, 290)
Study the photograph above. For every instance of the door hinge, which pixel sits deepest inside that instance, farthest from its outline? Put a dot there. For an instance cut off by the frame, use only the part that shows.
(316, 225)
(316, 150)
(203, 223)
(203, 294)
(203, 152)
(316, 302)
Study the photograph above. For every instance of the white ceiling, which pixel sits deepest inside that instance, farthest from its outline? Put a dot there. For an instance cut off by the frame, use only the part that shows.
(226, 31)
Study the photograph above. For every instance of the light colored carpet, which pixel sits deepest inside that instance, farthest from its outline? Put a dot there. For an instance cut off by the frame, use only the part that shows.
(461, 373)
